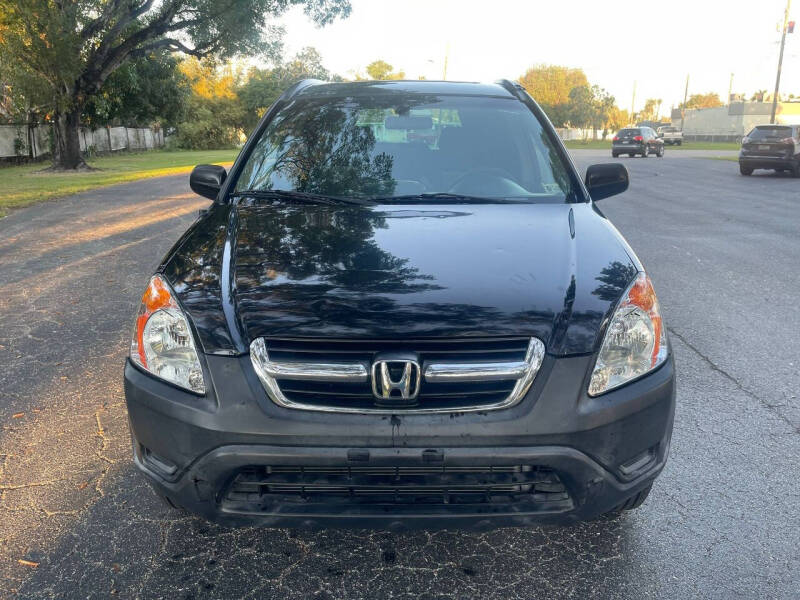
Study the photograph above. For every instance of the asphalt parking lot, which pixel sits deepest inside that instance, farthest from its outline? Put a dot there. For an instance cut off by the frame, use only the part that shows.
(723, 520)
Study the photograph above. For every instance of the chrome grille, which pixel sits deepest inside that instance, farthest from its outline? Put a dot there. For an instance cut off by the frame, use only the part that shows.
(456, 374)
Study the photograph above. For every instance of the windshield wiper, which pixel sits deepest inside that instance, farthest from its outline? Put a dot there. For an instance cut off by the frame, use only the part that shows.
(444, 196)
(305, 197)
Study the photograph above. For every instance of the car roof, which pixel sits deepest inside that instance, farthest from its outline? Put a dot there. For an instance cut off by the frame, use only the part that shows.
(358, 88)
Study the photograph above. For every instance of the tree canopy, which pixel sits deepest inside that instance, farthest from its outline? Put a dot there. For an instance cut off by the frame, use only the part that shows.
(651, 110)
(550, 86)
(566, 96)
(263, 86)
(381, 70)
(145, 91)
(709, 100)
(72, 48)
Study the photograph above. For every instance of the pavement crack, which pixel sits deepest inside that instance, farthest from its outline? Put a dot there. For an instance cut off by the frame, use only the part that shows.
(22, 486)
(716, 368)
(104, 439)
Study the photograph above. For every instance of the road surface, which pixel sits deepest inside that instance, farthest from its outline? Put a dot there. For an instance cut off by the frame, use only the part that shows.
(723, 520)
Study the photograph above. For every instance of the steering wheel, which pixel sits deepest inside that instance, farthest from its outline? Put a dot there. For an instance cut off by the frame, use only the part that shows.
(488, 180)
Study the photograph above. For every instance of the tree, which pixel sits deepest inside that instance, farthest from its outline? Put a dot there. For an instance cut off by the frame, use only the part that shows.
(144, 91)
(650, 112)
(214, 111)
(25, 95)
(589, 108)
(617, 118)
(605, 104)
(381, 70)
(709, 100)
(306, 64)
(550, 86)
(260, 90)
(263, 86)
(75, 46)
(581, 106)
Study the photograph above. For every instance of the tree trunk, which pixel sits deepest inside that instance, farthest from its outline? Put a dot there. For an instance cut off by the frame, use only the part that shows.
(67, 141)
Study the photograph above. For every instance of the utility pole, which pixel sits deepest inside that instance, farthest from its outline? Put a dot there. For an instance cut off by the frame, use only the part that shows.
(633, 102)
(780, 62)
(446, 55)
(730, 90)
(685, 96)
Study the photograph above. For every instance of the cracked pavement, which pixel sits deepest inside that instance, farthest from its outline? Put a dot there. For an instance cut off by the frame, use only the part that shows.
(76, 520)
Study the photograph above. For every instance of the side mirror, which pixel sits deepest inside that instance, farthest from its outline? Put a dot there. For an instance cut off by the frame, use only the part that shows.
(606, 179)
(206, 180)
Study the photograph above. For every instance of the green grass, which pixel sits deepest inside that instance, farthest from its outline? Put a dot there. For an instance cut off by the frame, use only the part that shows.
(28, 184)
(606, 145)
(588, 145)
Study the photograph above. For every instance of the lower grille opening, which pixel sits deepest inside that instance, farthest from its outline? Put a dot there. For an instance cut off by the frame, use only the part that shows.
(260, 487)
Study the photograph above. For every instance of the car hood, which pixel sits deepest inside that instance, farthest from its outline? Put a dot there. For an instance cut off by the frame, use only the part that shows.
(553, 271)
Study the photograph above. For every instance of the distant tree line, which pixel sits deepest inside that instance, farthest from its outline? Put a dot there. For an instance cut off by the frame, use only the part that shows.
(569, 100)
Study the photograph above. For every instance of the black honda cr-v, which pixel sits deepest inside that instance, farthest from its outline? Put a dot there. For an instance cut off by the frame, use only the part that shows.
(402, 309)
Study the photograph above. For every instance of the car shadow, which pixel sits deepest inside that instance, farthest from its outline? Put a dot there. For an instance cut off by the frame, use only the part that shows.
(129, 544)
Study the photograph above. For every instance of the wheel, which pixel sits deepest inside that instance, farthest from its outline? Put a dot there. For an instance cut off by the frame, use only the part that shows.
(614, 155)
(631, 154)
(634, 501)
(679, 143)
(660, 153)
(745, 170)
(795, 170)
(645, 151)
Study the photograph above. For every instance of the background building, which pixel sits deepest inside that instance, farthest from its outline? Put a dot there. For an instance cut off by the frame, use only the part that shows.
(732, 122)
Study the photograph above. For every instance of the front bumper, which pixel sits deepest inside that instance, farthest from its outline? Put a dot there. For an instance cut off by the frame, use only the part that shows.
(604, 450)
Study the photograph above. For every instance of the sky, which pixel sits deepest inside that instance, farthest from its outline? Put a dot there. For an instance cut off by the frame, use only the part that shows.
(616, 42)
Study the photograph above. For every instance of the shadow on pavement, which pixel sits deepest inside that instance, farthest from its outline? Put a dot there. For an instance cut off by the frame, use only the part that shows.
(129, 545)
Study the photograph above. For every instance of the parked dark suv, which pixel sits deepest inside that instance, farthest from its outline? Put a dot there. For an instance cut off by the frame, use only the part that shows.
(771, 147)
(402, 309)
(637, 140)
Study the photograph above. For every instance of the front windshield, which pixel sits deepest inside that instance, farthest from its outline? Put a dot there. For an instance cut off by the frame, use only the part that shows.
(390, 145)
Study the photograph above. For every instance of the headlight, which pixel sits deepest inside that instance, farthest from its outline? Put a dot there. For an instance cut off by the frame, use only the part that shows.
(162, 341)
(635, 342)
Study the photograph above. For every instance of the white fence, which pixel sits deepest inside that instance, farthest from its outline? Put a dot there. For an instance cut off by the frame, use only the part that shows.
(20, 140)
(571, 133)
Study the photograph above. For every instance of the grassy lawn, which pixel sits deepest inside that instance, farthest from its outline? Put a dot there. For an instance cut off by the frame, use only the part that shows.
(589, 145)
(20, 186)
(606, 145)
